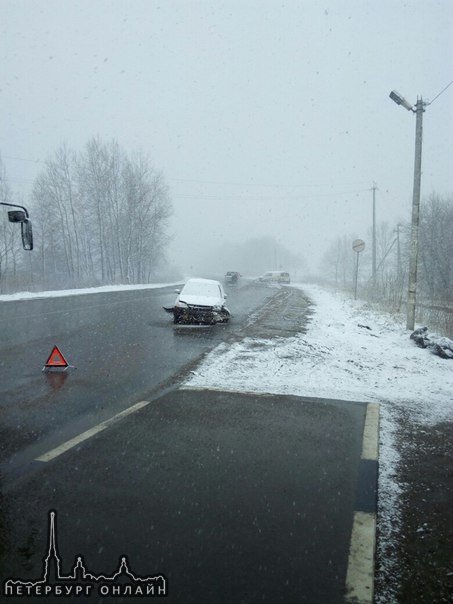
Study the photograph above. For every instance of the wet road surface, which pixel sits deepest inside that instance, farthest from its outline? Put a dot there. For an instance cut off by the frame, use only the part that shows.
(234, 498)
(123, 345)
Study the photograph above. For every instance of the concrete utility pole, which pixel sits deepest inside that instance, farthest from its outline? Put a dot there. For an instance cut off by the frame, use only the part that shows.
(374, 234)
(412, 289)
(398, 254)
(419, 109)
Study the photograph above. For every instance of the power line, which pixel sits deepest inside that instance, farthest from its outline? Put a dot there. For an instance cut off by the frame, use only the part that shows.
(220, 197)
(254, 184)
(214, 182)
(33, 161)
(213, 196)
(12, 179)
(442, 91)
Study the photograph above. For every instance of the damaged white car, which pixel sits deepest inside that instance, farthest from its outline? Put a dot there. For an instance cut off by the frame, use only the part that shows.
(201, 301)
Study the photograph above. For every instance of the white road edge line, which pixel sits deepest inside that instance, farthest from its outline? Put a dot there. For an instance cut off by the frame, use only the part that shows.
(89, 433)
(360, 574)
(370, 443)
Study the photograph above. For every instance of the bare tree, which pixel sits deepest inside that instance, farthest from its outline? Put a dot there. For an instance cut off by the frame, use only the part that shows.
(435, 268)
(436, 249)
(10, 258)
(337, 264)
(101, 215)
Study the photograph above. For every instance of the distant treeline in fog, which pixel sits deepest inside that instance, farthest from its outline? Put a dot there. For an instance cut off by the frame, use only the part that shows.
(253, 257)
(99, 217)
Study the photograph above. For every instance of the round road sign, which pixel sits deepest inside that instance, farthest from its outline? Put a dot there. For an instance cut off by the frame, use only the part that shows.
(358, 245)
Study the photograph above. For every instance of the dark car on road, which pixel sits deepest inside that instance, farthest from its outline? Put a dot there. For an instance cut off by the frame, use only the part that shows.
(232, 277)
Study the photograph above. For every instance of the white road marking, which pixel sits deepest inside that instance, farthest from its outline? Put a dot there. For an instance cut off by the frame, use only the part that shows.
(370, 443)
(89, 433)
(360, 576)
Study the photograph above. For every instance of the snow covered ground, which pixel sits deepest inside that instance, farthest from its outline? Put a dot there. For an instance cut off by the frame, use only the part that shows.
(339, 357)
(60, 293)
(349, 352)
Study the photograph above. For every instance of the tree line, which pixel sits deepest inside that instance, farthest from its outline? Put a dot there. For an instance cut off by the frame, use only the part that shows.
(100, 216)
(435, 266)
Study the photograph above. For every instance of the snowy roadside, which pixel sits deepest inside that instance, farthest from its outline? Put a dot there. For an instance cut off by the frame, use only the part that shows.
(349, 352)
(79, 292)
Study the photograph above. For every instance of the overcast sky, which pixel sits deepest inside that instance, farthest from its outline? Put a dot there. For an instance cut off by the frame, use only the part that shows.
(266, 117)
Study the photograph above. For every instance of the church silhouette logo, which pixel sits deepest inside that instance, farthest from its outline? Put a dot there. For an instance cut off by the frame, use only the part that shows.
(81, 582)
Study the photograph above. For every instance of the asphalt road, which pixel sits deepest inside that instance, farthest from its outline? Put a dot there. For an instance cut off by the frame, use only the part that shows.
(234, 498)
(123, 345)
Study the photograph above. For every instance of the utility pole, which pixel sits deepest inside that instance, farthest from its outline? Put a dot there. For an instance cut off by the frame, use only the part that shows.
(419, 109)
(374, 234)
(398, 254)
(412, 289)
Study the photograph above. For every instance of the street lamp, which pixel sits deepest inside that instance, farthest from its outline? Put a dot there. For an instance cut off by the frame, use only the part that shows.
(412, 287)
(400, 100)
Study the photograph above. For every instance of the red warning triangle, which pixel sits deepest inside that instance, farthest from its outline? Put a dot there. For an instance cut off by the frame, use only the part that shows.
(56, 359)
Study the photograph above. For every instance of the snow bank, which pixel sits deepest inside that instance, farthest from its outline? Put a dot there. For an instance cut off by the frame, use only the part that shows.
(348, 353)
(77, 292)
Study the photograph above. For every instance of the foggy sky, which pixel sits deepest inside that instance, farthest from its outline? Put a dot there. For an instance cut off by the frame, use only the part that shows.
(266, 117)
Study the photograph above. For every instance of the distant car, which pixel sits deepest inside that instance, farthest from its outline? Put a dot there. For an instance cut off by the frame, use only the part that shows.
(275, 277)
(201, 301)
(232, 277)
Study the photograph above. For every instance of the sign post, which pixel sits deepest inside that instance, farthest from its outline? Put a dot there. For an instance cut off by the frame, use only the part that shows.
(358, 245)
